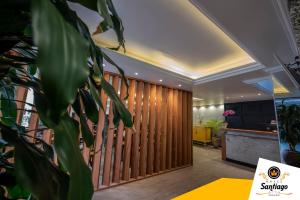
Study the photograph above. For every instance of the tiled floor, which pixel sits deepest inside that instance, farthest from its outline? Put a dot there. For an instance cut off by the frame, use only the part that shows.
(207, 167)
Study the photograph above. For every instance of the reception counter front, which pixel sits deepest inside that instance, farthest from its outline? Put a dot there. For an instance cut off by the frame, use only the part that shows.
(247, 146)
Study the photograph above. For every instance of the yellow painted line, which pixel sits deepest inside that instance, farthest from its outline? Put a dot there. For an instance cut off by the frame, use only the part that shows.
(224, 188)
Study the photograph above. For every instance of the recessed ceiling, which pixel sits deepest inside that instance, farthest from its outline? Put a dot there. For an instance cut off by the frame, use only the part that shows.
(163, 37)
(176, 36)
(232, 89)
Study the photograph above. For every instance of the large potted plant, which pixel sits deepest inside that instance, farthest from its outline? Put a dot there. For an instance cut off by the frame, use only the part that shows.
(215, 126)
(45, 47)
(289, 130)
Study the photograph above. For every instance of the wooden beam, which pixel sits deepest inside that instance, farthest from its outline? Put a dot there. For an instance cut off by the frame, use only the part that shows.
(119, 142)
(179, 141)
(136, 134)
(184, 128)
(128, 136)
(152, 114)
(175, 129)
(110, 137)
(163, 138)
(169, 128)
(98, 140)
(158, 129)
(145, 131)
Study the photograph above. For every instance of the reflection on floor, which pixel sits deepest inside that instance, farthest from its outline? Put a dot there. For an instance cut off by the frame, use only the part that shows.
(207, 167)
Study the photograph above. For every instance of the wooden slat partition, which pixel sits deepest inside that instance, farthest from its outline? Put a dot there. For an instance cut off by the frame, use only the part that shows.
(137, 126)
(152, 114)
(160, 141)
(128, 134)
(175, 129)
(109, 140)
(184, 128)
(145, 130)
(21, 95)
(158, 129)
(163, 139)
(98, 140)
(169, 129)
(119, 142)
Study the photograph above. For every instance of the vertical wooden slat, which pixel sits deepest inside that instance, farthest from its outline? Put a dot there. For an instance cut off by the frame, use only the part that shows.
(128, 134)
(175, 129)
(33, 125)
(152, 113)
(189, 124)
(86, 150)
(21, 95)
(109, 140)
(158, 129)
(98, 140)
(137, 125)
(163, 146)
(169, 128)
(144, 134)
(119, 142)
(179, 141)
(184, 128)
(47, 136)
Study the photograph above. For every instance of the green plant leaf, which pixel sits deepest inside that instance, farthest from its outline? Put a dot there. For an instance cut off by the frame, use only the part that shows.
(95, 95)
(32, 69)
(42, 105)
(117, 22)
(34, 170)
(86, 132)
(90, 106)
(17, 192)
(67, 69)
(103, 10)
(120, 107)
(120, 70)
(67, 149)
(8, 107)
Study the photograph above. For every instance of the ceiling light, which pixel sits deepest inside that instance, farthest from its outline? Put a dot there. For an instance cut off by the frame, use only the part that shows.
(212, 107)
(198, 99)
(160, 80)
(179, 85)
(258, 94)
(136, 73)
(242, 96)
(103, 65)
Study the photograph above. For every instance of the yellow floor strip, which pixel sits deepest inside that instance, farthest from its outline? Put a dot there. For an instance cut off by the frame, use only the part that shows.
(224, 188)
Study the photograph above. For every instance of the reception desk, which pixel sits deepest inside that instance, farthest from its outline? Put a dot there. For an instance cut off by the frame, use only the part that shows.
(247, 146)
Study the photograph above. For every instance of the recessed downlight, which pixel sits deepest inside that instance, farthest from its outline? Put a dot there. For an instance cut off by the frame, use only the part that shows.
(197, 99)
(258, 94)
(179, 85)
(160, 80)
(242, 96)
(135, 73)
(103, 65)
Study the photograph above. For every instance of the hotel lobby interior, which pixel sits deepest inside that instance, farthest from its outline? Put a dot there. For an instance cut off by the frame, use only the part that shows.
(208, 85)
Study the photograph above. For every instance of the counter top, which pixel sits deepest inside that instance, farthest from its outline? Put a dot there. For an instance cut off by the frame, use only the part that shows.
(251, 131)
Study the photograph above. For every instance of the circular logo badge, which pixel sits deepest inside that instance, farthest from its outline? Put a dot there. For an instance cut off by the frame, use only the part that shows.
(274, 172)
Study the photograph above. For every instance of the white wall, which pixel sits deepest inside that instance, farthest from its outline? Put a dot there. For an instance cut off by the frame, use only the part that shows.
(205, 113)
